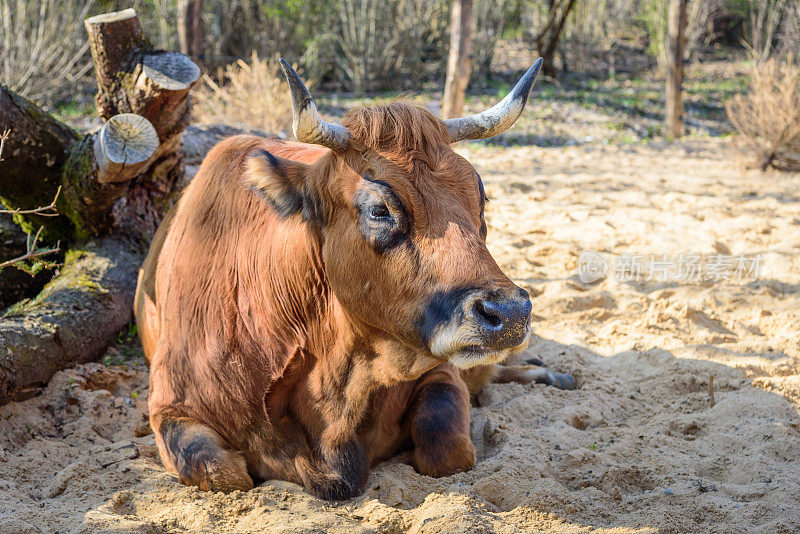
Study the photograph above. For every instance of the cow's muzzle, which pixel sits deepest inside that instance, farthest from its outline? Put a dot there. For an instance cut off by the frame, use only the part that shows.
(477, 326)
(502, 321)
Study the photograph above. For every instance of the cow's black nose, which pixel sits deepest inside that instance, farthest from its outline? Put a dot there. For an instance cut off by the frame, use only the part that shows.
(503, 321)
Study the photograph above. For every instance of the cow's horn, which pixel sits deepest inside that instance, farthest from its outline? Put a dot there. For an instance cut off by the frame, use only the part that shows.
(498, 118)
(307, 125)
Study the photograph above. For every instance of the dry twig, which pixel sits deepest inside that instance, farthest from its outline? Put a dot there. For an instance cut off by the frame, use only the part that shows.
(31, 253)
(44, 211)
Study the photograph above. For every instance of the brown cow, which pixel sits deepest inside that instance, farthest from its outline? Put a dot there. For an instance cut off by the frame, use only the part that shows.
(308, 312)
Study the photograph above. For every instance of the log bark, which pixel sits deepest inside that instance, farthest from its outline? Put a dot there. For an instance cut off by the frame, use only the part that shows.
(33, 157)
(42, 154)
(459, 60)
(676, 34)
(72, 320)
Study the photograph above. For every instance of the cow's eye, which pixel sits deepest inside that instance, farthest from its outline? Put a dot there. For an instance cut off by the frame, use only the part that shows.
(380, 213)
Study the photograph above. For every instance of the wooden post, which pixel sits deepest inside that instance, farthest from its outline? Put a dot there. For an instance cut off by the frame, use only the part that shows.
(190, 27)
(459, 61)
(676, 34)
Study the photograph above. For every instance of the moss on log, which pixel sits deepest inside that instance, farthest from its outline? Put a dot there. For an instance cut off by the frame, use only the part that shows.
(33, 157)
(72, 320)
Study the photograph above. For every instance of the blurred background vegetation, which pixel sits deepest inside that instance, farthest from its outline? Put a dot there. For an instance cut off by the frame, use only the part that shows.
(607, 59)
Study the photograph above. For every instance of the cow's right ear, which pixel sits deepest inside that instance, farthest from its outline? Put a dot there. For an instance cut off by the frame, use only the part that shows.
(282, 183)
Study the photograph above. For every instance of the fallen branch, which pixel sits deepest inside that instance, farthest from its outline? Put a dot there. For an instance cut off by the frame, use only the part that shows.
(45, 211)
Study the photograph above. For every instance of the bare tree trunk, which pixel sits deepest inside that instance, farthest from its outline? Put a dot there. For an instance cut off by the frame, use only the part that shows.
(549, 51)
(459, 61)
(190, 27)
(676, 34)
(547, 39)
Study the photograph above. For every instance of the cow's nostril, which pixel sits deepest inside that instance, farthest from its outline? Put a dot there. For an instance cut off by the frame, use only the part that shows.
(502, 322)
(489, 314)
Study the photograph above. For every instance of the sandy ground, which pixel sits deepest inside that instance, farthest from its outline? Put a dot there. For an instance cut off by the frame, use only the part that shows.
(644, 445)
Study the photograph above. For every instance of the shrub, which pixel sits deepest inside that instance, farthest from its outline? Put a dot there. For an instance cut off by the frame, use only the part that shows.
(767, 118)
(43, 46)
(253, 94)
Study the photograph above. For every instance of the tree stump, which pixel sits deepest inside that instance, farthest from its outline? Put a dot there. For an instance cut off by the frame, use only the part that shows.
(115, 184)
(42, 154)
(134, 78)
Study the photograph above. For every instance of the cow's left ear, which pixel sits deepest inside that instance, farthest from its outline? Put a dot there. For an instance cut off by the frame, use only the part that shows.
(282, 183)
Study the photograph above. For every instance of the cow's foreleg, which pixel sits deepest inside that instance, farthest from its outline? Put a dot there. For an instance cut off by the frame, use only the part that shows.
(199, 455)
(439, 424)
(335, 474)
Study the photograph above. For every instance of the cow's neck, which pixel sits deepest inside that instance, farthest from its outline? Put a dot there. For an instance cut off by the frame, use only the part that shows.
(346, 361)
(351, 363)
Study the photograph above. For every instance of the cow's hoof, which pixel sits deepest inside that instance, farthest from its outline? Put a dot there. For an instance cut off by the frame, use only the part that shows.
(224, 474)
(335, 489)
(562, 381)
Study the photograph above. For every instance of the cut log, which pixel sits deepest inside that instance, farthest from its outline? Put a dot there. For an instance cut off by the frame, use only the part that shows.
(132, 78)
(116, 182)
(151, 83)
(73, 318)
(161, 91)
(42, 154)
(115, 39)
(123, 147)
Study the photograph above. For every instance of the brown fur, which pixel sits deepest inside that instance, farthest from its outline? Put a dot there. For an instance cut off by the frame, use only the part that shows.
(281, 344)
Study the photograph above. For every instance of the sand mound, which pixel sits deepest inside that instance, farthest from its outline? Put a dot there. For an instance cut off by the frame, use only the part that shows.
(646, 444)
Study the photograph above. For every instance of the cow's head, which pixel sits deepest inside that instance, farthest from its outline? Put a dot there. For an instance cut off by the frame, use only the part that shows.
(400, 218)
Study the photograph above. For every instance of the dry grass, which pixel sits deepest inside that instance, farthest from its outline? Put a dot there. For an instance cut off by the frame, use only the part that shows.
(767, 118)
(254, 94)
(43, 46)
